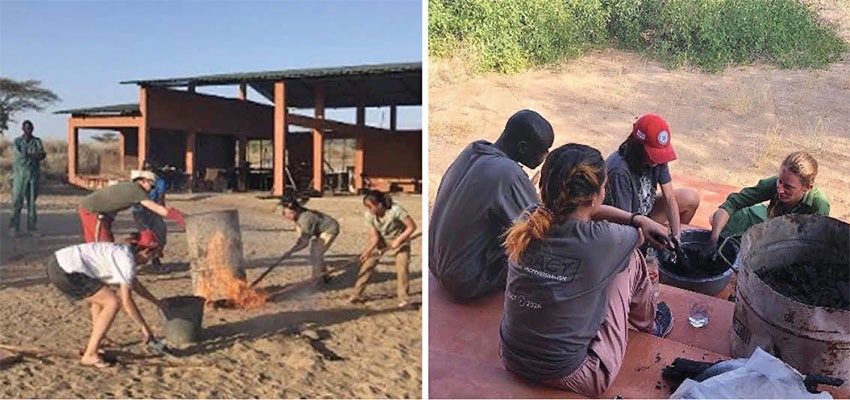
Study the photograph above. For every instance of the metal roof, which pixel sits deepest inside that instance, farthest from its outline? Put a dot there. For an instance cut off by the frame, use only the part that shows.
(112, 110)
(386, 84)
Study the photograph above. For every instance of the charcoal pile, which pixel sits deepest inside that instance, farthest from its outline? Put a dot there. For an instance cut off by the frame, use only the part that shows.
(701, 264)
(818, 284)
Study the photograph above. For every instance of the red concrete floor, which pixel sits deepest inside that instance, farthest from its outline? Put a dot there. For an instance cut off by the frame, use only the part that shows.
(464, 336)
(464, 353)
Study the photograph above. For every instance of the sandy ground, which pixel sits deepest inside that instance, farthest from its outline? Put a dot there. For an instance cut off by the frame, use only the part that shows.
(284, 349)
(734, 128)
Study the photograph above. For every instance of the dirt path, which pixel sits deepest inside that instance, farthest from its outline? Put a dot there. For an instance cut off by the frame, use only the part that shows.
(733, 128)
(284, 349)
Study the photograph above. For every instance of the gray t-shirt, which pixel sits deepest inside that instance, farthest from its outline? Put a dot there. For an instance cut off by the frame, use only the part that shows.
(556, 297)
(312, 223)
(480, 195)
(115, 198)
(632, 192)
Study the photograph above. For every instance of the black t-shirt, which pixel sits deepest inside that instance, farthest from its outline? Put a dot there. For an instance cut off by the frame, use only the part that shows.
(632, 192)
(556, 296)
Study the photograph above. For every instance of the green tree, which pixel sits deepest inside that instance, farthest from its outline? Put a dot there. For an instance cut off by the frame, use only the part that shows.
(18, 96)
(107, 137)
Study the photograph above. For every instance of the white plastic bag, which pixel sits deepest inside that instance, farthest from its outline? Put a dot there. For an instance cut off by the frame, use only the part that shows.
(762, 377)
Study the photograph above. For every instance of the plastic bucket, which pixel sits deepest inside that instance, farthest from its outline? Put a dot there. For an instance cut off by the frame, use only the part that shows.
(697, 238)
(183, 318)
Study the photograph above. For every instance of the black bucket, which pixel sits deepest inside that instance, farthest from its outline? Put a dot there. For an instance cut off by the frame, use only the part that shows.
(694, 242)
(183, 317)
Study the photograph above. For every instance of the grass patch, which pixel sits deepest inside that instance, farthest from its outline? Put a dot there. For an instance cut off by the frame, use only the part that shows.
(512, 36)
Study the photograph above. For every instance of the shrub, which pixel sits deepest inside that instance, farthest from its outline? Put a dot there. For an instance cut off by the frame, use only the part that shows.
(510, 36)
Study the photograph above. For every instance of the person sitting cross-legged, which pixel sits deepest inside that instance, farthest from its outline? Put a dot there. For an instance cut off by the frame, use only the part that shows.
(575, 286)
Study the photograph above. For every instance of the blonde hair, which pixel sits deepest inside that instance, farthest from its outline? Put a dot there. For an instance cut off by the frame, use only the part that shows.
(803, 165)
(571, 176)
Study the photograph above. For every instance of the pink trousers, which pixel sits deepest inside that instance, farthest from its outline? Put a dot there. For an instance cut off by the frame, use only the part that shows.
(631, 305)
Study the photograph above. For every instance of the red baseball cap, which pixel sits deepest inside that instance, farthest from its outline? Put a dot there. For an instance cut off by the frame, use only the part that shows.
(146, 239)
(653, 132)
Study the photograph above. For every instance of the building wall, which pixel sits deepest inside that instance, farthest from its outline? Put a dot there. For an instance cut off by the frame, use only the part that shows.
(172, 109)
(393, 158)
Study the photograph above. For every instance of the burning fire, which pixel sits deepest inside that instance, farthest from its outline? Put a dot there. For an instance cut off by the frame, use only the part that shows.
(219, 281)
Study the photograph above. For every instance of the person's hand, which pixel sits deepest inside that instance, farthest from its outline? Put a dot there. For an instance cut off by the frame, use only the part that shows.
(395, 244)
(654, 232)
(365, 256)
(678, 236)
(176, 216)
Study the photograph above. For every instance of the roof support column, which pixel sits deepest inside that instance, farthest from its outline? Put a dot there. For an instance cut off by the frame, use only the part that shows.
(318, 138)
(393, 117)
(143, 127)
(122, 150)
(279, 142)
(242, 181)
(358, 147)
(72, 151)
(191, 145)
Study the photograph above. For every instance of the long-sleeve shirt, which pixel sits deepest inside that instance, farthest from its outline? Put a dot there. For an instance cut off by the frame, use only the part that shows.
(28, 154)
(813, 202)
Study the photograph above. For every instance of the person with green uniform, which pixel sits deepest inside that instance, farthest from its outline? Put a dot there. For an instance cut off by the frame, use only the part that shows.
(99, 209)
(314, 228)
(29, 152)
(790, 192)
(389, 229)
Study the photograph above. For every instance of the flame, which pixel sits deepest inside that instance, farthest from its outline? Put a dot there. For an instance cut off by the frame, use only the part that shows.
(219, 281)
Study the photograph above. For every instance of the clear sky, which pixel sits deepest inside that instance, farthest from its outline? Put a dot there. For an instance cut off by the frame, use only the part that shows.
(82, 49)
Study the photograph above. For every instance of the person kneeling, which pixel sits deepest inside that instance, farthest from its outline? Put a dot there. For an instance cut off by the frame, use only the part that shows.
(84, 271)
(574, 285)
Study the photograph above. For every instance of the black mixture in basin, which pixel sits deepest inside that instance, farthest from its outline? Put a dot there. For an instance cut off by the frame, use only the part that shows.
(701, 264)
(818, 284)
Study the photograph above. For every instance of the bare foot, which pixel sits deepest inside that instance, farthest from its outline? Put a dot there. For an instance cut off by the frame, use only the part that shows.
(355, 299)
(94, 361)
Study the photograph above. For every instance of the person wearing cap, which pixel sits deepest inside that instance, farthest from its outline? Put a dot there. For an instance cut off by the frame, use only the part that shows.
(639, 166)
(313, 228)
(482, 192)
(85, 271)
(98, 210)
(146, 219)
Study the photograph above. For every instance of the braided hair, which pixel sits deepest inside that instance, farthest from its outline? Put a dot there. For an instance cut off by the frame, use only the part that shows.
(572, 174)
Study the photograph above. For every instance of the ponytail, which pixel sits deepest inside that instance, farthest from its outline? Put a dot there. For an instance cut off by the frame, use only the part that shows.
(531, 225)
(571, 175)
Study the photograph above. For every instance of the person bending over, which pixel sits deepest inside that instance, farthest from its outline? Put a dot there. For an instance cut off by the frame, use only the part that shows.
(389, 229)
(639, 166)
(85, 271)
(98, 210)
(314, 229)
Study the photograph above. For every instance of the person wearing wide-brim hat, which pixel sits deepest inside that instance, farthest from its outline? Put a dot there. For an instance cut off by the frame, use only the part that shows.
(639, 166)
(85, 271)
(98, 210)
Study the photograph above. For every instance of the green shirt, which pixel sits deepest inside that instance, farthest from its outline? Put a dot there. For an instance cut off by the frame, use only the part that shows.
(28, 154)
(312, 223)
(391, 225)
(813, 202)
(115, 198)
